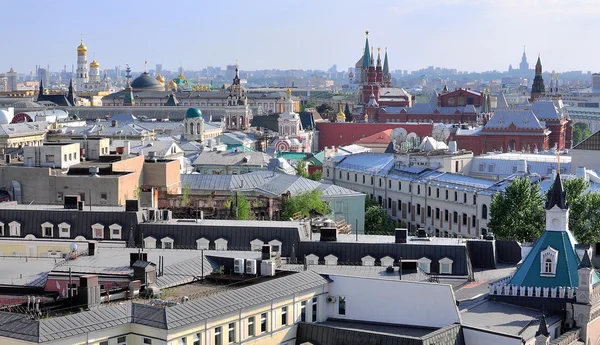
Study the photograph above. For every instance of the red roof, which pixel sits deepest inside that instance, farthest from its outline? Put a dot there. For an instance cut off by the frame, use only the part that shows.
(347, 133)
(382, 137)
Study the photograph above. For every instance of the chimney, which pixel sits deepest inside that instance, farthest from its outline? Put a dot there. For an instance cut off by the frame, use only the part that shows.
(401, 235)
(114, 123)
(152, 156)
(266, 252)
(127, 145)
(94, 171)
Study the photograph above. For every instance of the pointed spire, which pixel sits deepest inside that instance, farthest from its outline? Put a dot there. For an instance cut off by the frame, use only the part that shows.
(557, 196)
(543, 329)
(386, 68)
(585, 261)
(41, 86)
(378, 57)
(371, 58)
(366, 58)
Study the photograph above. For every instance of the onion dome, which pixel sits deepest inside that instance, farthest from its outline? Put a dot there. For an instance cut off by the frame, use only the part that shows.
(172, 85)
(81, 48)
(193, 113)
(94, 64)
(160, 79)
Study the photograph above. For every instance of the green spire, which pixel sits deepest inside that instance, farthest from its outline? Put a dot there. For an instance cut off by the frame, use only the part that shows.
(366, 56)
(386, 68)
(347, 112)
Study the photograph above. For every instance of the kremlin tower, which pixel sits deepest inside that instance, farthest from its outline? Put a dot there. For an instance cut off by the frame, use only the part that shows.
(82, 69)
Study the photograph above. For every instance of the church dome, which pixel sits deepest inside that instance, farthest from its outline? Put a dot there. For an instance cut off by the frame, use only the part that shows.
(160, 79)
(81, 48)
(172, 85)
(193, 113)
(5, 117)
(146, 83)
(94, 64)
(341, 115)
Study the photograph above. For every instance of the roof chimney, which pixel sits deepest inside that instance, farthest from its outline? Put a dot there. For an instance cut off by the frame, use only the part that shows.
(94, 171)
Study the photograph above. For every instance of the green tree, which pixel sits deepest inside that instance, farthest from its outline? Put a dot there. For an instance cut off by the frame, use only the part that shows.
(518, 213)
(137, 193)
(325, 108)
(581, 130)
(185, 197)
(317, 175)
(305, 203)
(239, 207)
(377, 220)
(584, 218)
(307, 106)
(302, 169)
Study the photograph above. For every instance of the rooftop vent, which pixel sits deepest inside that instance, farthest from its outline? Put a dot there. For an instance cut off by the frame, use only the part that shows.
(94, 171)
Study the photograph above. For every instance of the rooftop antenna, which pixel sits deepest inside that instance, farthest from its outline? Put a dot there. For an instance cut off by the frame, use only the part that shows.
(145, 66)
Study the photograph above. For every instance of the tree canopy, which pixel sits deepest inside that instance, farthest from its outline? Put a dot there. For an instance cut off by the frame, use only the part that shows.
(239, 207)
(317, 175)
(518, 214)
(377, 220)
(581, 130)
(305, 203)
(584, 216)
(302, 169)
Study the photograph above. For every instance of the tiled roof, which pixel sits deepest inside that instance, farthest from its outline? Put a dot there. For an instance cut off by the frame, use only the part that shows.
(522, 119)
(233, 158)
(378, 138)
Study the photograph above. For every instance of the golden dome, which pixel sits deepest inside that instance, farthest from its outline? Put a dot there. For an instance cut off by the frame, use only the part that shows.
(81, 48)
(160, 79)
(172, 85)
(341, 115)
(289, 92)
(94, 64)
(181, 76)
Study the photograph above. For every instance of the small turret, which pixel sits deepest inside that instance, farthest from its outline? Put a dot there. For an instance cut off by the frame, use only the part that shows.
(542, 336)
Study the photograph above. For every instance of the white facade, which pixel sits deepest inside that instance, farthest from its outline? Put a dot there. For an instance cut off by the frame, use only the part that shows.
(82, 76)
(52, 155)
(292, 138)
(194, 129)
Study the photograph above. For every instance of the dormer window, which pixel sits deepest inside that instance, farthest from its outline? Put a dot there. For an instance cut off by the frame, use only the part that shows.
(549, 258)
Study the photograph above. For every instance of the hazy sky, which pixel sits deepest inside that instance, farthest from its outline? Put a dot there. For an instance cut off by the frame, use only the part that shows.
(472, 35)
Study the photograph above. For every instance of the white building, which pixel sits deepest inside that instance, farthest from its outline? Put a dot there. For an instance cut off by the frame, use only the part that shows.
(292, 137)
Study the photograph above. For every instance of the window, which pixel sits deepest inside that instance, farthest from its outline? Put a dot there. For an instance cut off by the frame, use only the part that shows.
(380, 182)
(14, 228)
(473, 220)
(446, 266)
(390, 184)
(465, 198)
(221, 244)
(182, 341)
(355, 177)
(455, 217)
(167, 242)
(148, 341)
(409, 207)
(437, 193)
(428, 211)
(49, 158)
(284, 316)
(484, 212)
(364, 179)
(121, 340)
(410, 188)
(549, 257)
(418, 189)
(340, 175)
(196, 340)
(263, 322)
(97, 231)
(464, 219)
(303, 311)
(251, 326)
(342, 306)
(437, 213)
(59, 196)
(445, 215)
(203, 243)
(474, 199)
(47, 230)
(103, 197)
(115, 232)
(327, 172)
(548, 266)
(106, 341)
(348, 176)
(399, 205)
(389, 203)
(315, 300)
(371, 180)
(446, 195)
(424, 264)
(150, 242)
(491, 168)
(455, 196)
(218, 336)
(231, 333)
(399, 185)
(418, 209)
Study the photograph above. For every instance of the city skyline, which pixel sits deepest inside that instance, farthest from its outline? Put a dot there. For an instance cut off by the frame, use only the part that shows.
(480, 36)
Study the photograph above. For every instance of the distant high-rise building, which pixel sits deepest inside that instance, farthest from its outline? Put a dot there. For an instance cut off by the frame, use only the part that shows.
(3, 82)
(230, 71)
(524, 65)
(12, 78)
(159, 68)
(596, 82)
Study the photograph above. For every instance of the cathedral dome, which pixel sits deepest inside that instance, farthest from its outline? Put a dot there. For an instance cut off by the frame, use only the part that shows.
(341, 115)
(146, 83)
(172, 85)
(94, 64)
(5, 117)
(160, 79)
(81, 48)
(193, 113)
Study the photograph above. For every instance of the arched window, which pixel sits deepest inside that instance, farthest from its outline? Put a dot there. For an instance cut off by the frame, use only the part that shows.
(198, 129)
(548, 266)
(484, 212)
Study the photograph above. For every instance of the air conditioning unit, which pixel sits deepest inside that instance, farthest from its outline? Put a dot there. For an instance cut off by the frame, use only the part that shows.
(267, 268)
(331, 299)
(238, 266)
(251, 267)
(54, 254)
(166, 215)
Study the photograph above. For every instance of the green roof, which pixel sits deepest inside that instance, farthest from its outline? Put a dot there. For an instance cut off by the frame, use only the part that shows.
(292, 156)
(566, 270)
(192, 113)
(237, 146)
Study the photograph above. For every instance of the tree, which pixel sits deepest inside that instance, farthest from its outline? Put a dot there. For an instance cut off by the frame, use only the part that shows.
(317, 175)
(518, 213)
(137, 193)
(348, 113)
(302, 169)
(305, 203)
(584, 219)
(581, 130)
(185, 197)
(377, 220)
(308, 105)
(239, 207)
(324, 108)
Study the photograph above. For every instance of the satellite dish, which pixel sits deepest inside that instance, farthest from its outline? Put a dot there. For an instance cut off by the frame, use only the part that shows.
(440, 133)
(398, 138)
(73, 247)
